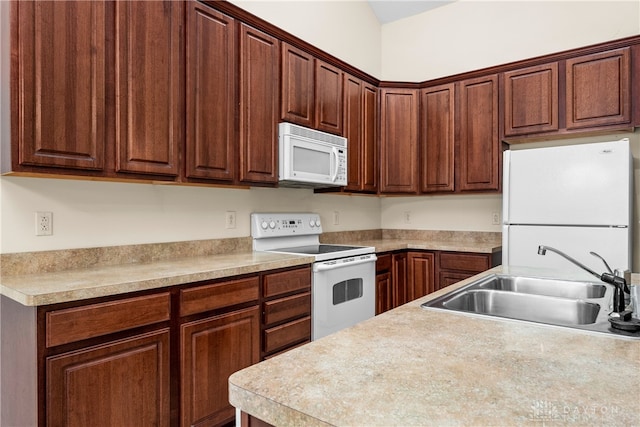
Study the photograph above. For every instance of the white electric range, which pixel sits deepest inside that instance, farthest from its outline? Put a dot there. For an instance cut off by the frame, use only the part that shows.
(343, 282)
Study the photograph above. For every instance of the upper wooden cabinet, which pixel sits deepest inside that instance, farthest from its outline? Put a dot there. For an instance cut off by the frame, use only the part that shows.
(480, 146)
(360, 129)
(531, 100)
(584, 93)
(311, 91)
(60, 117)
(211, 94)
(259, 106)
(599, 89)
(399, 140)
(437, 138)
(149, 86)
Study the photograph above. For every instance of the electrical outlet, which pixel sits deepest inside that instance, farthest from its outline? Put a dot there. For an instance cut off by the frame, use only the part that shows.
(336, 218)
(495, 218)
(230, 219)
(406, 216)
(44, 223)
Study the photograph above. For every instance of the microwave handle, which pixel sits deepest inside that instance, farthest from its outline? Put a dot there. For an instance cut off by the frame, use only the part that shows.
(334, 156)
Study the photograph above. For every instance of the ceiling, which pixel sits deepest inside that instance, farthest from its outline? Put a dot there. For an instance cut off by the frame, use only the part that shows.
(391, 10)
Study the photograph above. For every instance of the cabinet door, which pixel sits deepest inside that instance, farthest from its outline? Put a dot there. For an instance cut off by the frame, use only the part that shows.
(149, 86)
(599, 89)
(122, 383)
(450, 277)
(360, 125)
(328, 98)
(297, 103)
(211, 350)
(421, 274)
(369, 147)
(384, 300)
(437, 138)
(60, 115)
(480, 152)
(259, 101)
(399, 141)
(399, 279)
(353, 131)
(531, 100)
(211, 94)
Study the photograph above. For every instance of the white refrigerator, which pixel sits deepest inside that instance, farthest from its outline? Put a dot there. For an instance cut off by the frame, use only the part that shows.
(575, 198)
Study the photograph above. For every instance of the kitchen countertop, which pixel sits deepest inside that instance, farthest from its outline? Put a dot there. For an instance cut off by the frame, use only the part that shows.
(37, 289)
(411, 366)
(72, 285)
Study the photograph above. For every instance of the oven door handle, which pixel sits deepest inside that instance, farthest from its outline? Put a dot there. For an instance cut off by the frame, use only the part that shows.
(324, 266)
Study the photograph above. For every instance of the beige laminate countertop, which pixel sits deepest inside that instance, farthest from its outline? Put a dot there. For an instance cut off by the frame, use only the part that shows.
(411, 366)
(83, 283)
(72, 285)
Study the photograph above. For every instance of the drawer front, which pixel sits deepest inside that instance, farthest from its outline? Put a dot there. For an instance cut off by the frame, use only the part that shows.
(79, 323)
(287, 281)
(287, 308)
(280, 336)
(464, 262)
(218, 295)
(383, 263)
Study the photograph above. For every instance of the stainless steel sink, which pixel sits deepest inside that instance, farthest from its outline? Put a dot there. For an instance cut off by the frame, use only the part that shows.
(538, 286)
(535, 308)
(565, 303)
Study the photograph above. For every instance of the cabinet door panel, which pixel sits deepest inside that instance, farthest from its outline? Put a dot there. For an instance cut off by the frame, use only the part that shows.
(479, 142)
(399, 279)
(531, 100)
(421, 275)
(211, 350)
(369, 138)
(328, 98)
(259, 101)
(61, 113)
(437, 139)
(117, 384)
(149, 82)
(211, 94)
(384, 294)
(297, 86)
(599, 89)
(353, 130)
(399, 141)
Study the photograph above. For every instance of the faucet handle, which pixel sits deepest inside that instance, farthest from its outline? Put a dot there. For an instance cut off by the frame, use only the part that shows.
(603, 260)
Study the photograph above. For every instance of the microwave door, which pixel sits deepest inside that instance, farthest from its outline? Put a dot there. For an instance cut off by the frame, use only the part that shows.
(308, 162)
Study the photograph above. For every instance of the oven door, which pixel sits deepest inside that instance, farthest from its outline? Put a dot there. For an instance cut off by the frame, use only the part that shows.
(343, 293)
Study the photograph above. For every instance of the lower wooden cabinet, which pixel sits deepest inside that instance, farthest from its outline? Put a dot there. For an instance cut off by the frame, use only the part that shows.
(155, 358)
(407, 275)
(119, 383)
(212, 349)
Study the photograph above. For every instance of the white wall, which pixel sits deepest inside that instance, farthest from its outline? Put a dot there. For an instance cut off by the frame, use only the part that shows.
(91, 214)
(348, 30)
(470, 34)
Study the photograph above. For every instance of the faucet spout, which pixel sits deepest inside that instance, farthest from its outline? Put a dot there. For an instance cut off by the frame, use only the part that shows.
(618, 282)
(542, 250)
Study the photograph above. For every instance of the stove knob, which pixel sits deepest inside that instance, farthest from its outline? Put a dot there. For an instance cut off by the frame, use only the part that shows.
(318, 222)
(312, 223)
(264, 225)
(272, 224)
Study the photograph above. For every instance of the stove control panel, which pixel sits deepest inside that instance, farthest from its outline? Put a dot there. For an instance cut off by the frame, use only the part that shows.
(264, 225)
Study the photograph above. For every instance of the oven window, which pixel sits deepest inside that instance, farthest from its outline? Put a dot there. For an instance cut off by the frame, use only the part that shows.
(347, 290)
(311, 161)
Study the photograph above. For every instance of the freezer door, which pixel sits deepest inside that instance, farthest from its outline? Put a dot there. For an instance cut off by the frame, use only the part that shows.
(587, 184)
(520, 247)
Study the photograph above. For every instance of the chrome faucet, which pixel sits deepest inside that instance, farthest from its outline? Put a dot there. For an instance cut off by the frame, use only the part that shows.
(619, 283)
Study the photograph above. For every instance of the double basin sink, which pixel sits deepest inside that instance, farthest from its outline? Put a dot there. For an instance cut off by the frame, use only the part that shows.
(567, 303)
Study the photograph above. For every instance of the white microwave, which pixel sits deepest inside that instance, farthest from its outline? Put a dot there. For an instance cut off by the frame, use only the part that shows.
(311, 158)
